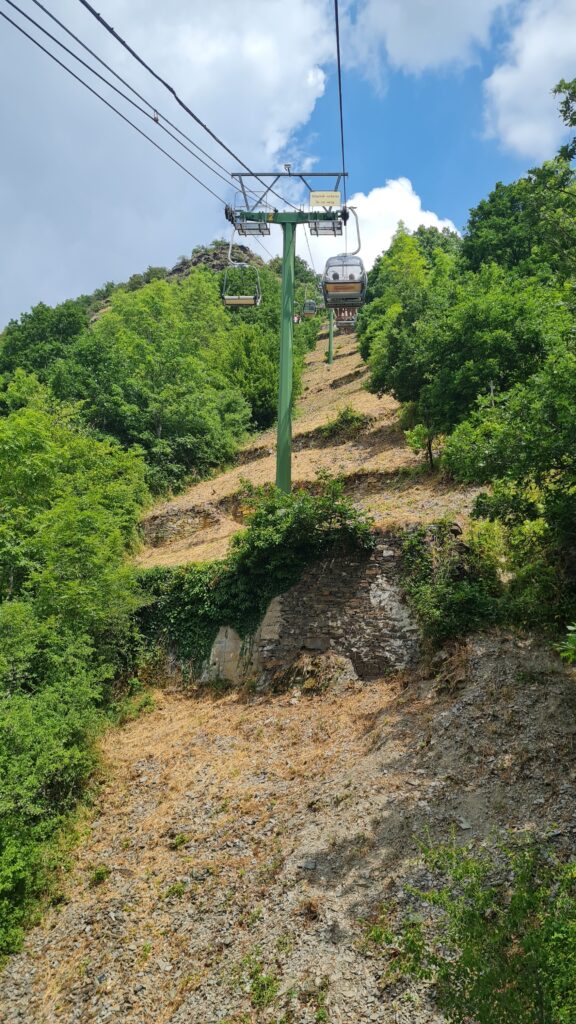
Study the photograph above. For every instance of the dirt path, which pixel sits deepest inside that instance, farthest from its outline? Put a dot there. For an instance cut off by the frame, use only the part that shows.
(376, 465)
(243, 847)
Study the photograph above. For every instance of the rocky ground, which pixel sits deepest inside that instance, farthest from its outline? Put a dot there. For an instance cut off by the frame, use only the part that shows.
(240, 845)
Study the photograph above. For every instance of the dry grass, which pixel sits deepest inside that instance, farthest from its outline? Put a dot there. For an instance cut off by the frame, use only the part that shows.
(377, 465)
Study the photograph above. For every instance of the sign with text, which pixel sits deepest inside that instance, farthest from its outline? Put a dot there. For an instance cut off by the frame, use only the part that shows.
(324, 199)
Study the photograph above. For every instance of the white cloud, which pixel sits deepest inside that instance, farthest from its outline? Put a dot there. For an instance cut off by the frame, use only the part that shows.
(83, 198)
(379, 213)
(521, 111)
(419, 35)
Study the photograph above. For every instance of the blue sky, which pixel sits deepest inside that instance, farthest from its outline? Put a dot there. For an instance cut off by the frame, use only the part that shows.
(443, 152)
(442, 99)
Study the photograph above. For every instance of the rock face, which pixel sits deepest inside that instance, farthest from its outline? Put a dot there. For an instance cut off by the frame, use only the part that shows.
(351, 606)
(214, 257)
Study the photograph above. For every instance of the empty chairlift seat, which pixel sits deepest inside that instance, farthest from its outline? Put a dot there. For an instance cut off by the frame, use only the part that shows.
(241, 286)
(344, 282)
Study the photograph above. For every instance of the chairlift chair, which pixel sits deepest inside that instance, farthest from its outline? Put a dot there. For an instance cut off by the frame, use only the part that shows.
(236, 300)
(345, 280)
(252, 227)
(346, 319)
(247, 296)
(247, 227)
(325, 227)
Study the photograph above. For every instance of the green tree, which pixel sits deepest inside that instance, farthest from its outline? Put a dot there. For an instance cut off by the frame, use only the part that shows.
(567, 90)
(528, 224)
(39, 337)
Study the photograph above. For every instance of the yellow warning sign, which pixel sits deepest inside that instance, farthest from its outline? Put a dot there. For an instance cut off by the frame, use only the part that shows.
(324, 199)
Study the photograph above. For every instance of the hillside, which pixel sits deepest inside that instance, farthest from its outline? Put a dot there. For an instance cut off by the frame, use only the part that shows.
(244, 845)
(344, 791)
(381, 473)
(240, 846)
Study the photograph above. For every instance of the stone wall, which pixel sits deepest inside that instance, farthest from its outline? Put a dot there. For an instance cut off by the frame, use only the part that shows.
(351, 606)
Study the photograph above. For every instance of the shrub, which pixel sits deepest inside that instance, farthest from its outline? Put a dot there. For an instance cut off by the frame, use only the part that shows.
(500, 944)
(568, 646)
(348, 423)
(452, 586)
(284, 535)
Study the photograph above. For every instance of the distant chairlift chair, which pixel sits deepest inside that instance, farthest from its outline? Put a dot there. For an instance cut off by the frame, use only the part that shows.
(249, 293)
(248, 296)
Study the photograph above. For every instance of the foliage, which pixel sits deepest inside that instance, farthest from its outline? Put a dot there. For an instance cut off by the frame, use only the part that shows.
(164, 367)
(500, 944)
(528, 224)
(347, 423)
(41, 336)
(526, 442)
(161, 385)
(430, 240)
(70, 506)
(476, 339)
(284, 534)
(303, 275)
(452, 586)
(262, 987)
(567, 648)
(475, 335)
(568, 113)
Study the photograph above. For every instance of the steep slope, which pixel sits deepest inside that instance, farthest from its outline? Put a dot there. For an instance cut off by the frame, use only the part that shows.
(382, 474)
(243, 845)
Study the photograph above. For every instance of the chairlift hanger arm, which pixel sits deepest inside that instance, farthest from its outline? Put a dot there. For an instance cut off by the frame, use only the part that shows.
(359, 246)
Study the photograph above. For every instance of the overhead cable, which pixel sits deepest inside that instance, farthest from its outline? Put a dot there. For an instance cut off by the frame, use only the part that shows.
(262, 246)
(135, 92)
(309, 250)
(178, 99)
(155, 116)
(337, 21)
(111, 106)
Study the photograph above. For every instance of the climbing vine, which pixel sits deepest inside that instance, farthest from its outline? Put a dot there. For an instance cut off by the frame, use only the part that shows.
(285, 533)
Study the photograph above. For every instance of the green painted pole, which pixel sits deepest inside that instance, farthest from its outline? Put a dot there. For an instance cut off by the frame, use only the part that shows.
(284, 443)
(330, 337)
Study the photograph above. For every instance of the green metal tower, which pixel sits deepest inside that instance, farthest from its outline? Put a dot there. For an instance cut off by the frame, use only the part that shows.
(289, 221)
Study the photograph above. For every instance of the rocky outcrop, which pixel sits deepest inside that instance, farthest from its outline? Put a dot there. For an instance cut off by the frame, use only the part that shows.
(351, 606)
(214, 257)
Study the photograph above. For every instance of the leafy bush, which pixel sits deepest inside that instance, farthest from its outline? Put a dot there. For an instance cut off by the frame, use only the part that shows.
(526, 440)
(164, 367)
(70, 503)
(500, 944)
(453, 587)
(348, 423)
(285, 534)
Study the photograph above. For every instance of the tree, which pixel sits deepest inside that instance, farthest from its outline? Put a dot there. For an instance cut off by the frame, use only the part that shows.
(430, 239)
(568, 113)
(524, 443)
(528, 224)
(39, 337)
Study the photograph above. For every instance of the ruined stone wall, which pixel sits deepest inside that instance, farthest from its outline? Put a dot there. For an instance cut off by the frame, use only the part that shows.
(351, 606)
